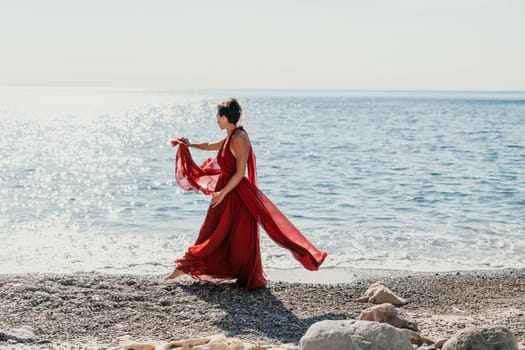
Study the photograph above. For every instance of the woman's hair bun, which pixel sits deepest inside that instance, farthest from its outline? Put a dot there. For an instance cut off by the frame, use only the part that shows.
(231, 109)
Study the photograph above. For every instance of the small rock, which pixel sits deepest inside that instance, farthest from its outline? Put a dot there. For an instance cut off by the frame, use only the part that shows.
(214, 342)
(482, 338)
(388, 313)
(440, 342)
(137, 347)
(164, 302)
(416, 338)
(377, 293)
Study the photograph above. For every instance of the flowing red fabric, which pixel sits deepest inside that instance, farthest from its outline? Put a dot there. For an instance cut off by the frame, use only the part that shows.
(227, 246)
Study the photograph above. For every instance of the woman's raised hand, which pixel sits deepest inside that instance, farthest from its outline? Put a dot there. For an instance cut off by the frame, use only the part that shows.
(179, 140)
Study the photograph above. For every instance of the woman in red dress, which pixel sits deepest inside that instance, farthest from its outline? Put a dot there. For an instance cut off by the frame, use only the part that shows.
(228, 243)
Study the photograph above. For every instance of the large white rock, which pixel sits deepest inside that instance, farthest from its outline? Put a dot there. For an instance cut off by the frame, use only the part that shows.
(354, 335)
(24, 334)
(482, 338)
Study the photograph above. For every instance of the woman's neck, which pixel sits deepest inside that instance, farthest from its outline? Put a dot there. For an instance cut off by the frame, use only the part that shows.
(230, 129)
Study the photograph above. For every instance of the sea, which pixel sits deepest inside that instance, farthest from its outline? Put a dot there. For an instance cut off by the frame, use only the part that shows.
(399, 180)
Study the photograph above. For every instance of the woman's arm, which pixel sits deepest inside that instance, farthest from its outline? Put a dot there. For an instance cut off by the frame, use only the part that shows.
(202, 146)
(240, 145)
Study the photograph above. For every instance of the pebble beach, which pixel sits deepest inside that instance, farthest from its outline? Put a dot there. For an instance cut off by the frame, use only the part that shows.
(100, 311)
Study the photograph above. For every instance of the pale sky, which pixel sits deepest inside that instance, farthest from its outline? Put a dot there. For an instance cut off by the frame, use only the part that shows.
(270, 44)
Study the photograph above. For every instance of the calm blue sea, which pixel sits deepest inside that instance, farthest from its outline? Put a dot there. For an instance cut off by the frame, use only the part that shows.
(423, 181)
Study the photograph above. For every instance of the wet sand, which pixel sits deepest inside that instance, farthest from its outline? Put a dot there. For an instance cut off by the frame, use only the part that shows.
(99, 310)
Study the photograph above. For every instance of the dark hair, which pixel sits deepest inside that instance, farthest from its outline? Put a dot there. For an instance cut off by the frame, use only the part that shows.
(231, 109)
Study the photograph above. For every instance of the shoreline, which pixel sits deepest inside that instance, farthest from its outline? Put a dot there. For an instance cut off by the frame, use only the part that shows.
(92, 310)
(337, 275)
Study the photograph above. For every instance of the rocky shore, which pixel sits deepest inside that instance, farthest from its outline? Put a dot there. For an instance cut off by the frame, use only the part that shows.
(97, 311)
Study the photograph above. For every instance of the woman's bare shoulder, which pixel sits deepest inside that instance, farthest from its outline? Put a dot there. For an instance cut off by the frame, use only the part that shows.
(240, 135)
(240, 139)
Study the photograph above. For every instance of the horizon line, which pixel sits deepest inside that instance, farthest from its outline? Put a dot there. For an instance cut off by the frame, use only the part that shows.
(249, 89)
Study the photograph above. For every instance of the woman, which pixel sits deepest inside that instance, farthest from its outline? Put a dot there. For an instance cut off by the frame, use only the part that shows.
(228, 243)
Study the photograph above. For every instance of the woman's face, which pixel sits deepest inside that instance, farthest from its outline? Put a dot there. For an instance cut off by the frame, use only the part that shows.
(222, 121)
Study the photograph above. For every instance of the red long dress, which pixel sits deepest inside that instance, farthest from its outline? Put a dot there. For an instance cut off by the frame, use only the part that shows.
(228, 243)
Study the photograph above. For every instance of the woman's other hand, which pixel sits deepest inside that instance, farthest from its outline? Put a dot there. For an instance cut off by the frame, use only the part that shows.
(216, 199)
